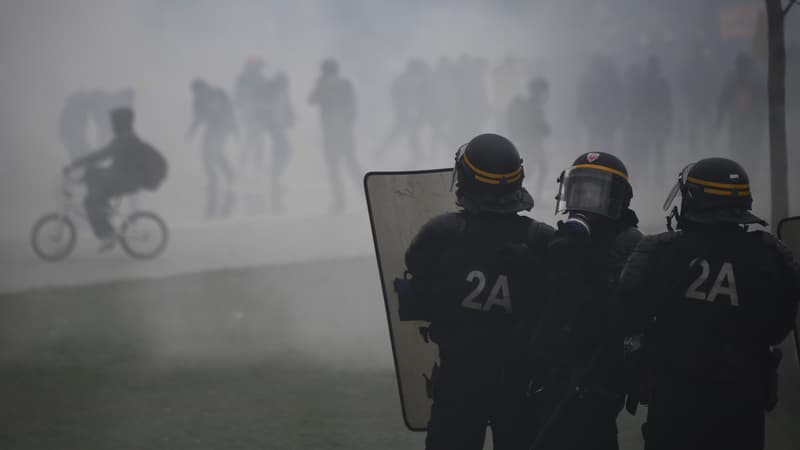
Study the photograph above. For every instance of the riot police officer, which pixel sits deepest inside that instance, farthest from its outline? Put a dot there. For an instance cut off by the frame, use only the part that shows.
(476, 275)
(578, 383)
(708, 301)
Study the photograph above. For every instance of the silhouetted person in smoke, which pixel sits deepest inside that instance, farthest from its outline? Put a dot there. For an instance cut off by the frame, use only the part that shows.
(510, 79)
(336, 100)
(214, 112)
(601, 103)
(85, 110)
(697, 85)
(278, 117)
(470, 108)
(265, 106)
(411, 93)
(636, 101)
(529, 127)
(127, 172)
(246, 94)
(110, 100)
(650, 104)
(460, 102)
(440, 113)
(743, 102)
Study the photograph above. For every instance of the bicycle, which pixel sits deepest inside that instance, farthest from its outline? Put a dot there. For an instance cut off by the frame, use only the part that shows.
(142, 234)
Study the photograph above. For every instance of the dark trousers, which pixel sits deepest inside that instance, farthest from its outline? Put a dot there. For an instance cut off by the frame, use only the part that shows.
(583, 421)
(280, 158)
(102, 185)
(467, 400)
(340, 157)
(219, 175)
(697, 419)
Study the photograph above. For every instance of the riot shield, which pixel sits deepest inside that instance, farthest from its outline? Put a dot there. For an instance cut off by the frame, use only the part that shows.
(789, 233)
(399, 203)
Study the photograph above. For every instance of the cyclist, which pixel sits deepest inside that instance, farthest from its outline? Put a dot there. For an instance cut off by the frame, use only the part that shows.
(125, 174)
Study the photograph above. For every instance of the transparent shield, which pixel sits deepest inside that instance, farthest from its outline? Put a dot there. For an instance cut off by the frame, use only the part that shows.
(399, 204)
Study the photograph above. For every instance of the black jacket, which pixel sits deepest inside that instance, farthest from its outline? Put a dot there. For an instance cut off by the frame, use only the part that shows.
(576, 330)
(710, 301)
(475, 277)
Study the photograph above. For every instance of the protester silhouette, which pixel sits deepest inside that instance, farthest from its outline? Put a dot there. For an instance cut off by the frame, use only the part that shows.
(213, 111)
(601, 104)
(335, 97)
(650, 125)
(529, 128)
(411, 92)
(742, 104)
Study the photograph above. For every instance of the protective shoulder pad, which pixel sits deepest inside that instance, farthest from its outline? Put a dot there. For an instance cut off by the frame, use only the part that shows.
(623, 247)
(539, 234)
(433, 238)
(443, 225)
(634, 269)
(627, 241)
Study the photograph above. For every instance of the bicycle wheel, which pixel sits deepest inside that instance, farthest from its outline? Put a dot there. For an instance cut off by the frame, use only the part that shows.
(53, 237)
(143, 235)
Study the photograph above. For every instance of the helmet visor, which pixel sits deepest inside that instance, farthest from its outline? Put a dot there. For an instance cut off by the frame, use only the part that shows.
(593, 190)
(676, 189)
(459, 154)
(672, 194)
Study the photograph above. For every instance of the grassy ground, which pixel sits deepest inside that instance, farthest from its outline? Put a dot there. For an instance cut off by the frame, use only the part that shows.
(292, 357)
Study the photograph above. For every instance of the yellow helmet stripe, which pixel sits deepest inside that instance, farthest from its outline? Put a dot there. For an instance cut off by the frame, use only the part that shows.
(496, 176)
(714, 184)
(493, 181)
(599, 167)
(725, 193)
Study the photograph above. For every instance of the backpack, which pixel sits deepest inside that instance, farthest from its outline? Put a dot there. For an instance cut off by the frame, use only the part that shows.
(152, 167)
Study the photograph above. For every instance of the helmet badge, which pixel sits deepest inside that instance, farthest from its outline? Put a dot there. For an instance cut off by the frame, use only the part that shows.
(592, 157)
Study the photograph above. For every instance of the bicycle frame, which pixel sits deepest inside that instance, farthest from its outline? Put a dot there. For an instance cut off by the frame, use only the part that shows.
(71, 200)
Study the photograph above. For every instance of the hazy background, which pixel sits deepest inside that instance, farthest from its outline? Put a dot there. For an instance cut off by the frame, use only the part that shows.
(295, 345)
(51, 49)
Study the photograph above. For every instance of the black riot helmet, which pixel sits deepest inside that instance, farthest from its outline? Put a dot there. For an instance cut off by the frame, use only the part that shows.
(488, 176)
(596, 183)
(713, 191)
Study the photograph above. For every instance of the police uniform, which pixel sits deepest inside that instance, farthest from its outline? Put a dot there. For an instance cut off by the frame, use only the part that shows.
(578, 357)
(475, 278)
(709, 301)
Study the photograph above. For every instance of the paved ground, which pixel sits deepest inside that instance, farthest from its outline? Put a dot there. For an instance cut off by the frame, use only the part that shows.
(236, 338)
(192, 248)
(256, 358)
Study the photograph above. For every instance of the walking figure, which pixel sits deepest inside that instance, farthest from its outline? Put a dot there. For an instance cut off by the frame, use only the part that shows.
(529, 127)
(213, 111)
(411, 93)
(336, 100)
(742, 102)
